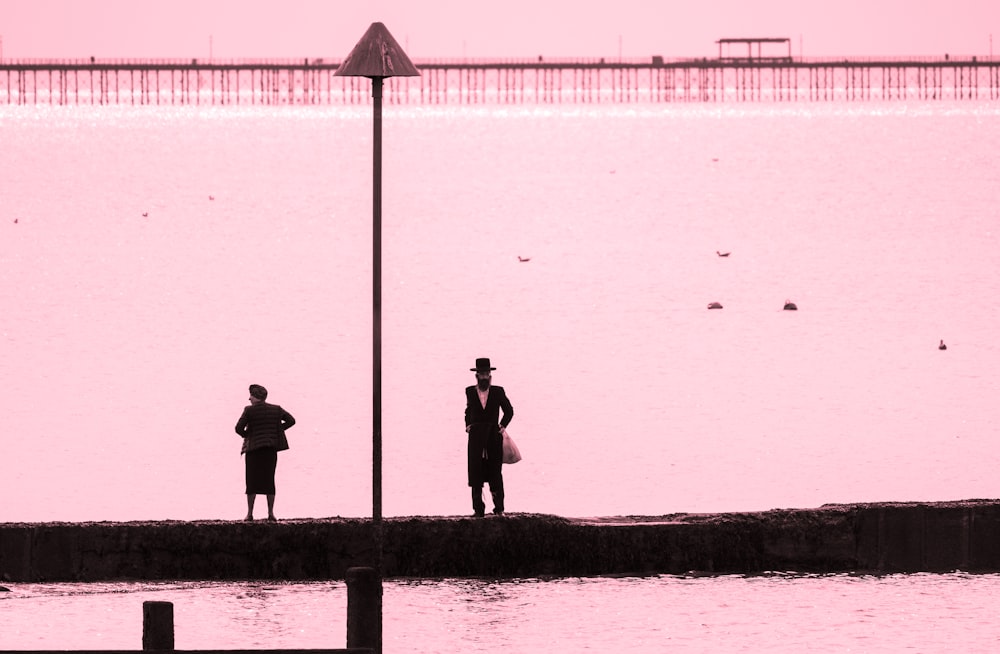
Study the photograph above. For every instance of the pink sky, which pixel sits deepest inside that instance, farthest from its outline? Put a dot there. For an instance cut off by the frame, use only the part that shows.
(512, 28)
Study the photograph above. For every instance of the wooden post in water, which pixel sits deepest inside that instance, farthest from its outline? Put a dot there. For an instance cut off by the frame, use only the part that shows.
(364, 603)
(157, 626)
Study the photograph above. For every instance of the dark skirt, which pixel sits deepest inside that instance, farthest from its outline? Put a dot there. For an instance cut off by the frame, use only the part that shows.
(260, 471)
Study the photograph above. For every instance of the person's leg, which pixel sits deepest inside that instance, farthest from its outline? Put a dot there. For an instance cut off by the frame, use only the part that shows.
(478, 506)
(270, 507)
(496, 490)
(249, 484)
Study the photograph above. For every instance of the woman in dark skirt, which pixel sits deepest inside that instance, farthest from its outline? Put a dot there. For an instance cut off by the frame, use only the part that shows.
(262, 427)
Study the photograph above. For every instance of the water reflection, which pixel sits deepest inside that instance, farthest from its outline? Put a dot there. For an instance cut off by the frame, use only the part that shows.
(255, 614)
(776, 612)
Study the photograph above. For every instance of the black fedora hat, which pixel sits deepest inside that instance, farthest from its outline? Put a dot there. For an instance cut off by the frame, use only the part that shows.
(482, 365)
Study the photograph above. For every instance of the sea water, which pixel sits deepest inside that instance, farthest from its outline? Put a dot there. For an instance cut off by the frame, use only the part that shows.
(766, 613)
(156, 261)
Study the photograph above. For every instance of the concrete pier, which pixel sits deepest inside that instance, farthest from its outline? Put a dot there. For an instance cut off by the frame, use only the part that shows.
(875, 538)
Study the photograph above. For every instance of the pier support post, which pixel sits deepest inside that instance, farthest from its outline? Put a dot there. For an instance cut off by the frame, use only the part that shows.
(364, 604)
(157, 625)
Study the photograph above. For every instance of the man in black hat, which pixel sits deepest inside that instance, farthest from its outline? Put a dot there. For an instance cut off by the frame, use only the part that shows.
(483, 404)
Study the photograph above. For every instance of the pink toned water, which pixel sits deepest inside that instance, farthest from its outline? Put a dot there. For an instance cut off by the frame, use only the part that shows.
(772, 613)
(128, 342)
(155, 262)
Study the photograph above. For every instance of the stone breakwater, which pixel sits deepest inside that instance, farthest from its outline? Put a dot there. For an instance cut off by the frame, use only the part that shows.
(876, 538)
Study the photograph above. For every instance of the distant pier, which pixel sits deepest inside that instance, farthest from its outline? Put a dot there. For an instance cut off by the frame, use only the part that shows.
(724, 79)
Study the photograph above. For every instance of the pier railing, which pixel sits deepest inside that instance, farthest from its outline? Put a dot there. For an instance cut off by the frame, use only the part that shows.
(518, 81)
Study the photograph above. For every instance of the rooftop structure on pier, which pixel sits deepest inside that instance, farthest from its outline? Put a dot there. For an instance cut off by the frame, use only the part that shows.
(750, 43)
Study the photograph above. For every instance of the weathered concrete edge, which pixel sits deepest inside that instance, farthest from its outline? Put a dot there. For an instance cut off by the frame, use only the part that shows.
(876, 537)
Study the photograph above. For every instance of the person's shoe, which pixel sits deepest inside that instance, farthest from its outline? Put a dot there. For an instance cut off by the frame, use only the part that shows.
(249, 518)
(478, 514)
(271, 518)
(497, 511)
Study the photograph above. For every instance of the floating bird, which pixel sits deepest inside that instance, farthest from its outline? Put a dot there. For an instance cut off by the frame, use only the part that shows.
(211, 197)
(723, 254)
(145, 214)
(714, 305)
(942, 346)
(523, 259)
(790, 306)
(15, 221)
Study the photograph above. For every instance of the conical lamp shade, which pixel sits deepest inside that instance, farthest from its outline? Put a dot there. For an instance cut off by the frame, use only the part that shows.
(377, 55)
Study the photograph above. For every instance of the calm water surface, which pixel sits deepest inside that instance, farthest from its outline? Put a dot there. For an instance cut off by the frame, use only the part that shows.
(128, 342)
(773, 613)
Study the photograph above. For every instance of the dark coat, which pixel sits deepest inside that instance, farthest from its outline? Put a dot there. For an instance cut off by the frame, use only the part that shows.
(262, 424)
(484, 433)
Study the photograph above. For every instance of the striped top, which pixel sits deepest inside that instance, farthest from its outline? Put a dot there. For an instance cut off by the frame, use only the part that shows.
(262, 424)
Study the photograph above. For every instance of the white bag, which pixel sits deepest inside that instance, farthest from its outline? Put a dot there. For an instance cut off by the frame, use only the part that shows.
(510, 452)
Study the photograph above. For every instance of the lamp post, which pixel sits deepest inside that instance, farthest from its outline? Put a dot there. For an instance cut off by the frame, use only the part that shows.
(377, 56)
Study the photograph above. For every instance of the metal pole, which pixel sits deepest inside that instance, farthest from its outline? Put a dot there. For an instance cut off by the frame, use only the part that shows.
(377, 341)
(377, 56)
